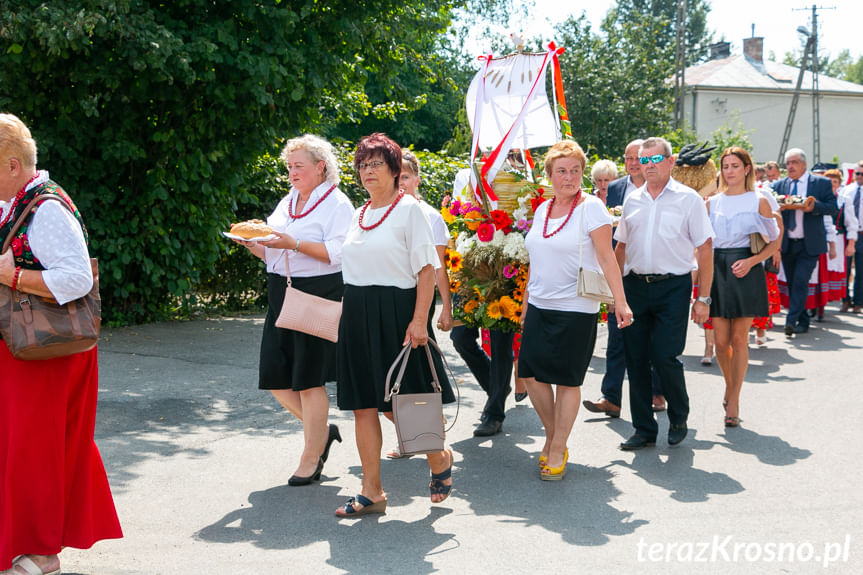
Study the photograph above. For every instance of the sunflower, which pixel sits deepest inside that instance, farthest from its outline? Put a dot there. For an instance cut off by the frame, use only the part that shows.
(509, 307)
(454, 284)
(455, 260)
(470, 306)
(494, 310)
(518, 294)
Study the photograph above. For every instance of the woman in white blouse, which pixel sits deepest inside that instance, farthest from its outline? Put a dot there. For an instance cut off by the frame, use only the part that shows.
(389, 260)
(571, 231)
(739, 291)
(311, 223)
(409, 181)
(54, 490)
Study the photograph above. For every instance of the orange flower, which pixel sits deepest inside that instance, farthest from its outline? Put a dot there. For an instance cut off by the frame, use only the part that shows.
(494, 310)
(447, 215)
(509, 307)
(470, 306)
(455, 260)
(454, 284)
(473, 219)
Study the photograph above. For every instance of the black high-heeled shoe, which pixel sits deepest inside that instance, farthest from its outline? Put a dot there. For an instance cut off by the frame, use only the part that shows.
(296, 480)
(333, 435)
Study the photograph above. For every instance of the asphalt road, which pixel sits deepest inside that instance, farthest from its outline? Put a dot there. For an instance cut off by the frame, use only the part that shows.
(199, 459)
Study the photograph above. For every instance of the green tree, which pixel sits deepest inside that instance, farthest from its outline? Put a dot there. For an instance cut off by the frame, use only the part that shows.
(616, 80)
(150, 113)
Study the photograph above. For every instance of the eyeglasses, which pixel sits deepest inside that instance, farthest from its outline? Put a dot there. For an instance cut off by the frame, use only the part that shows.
(858, 173)
(373, 165)
(656, 158)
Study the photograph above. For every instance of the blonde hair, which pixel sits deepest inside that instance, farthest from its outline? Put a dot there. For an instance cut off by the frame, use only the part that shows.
(319, 149)
(603, 168)
(16, 141)
(409, 159)
(833, 174)
(564, 149)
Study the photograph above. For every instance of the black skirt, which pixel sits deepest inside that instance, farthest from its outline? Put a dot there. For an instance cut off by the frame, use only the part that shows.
(374, 321)
(292, 359)
(733, 296)
(556, 346)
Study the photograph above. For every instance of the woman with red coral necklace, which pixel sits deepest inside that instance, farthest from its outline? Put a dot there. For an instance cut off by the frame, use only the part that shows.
(310, 224)
(571, 231)
(54, 490)
(389, 260)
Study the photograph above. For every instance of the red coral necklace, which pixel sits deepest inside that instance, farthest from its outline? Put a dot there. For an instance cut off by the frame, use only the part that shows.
(380, 221)
(545, 233)
(310, 210)
(17, 199)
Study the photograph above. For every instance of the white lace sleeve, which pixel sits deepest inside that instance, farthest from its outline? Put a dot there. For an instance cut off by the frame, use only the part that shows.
(58, 243)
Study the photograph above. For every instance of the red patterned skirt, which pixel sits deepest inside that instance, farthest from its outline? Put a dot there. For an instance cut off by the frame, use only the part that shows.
(773, 300)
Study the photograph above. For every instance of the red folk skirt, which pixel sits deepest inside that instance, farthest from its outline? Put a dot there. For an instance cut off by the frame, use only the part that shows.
(54, 491)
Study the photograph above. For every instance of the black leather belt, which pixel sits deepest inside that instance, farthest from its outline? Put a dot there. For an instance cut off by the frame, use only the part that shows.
(653, 278)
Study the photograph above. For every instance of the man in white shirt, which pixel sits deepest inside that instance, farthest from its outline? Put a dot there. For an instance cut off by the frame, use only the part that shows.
(852, 195)
(663, 235)
(615, 361)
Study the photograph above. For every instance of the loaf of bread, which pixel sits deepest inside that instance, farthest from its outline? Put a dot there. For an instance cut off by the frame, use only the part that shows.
(251, 229)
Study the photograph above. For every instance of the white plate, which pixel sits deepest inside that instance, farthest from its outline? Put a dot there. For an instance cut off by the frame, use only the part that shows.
(267, 238)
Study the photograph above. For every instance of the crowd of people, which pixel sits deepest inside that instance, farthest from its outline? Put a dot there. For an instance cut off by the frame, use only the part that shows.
(383, 261)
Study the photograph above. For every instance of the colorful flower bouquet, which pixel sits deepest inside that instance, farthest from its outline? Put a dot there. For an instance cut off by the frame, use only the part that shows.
(488, 261)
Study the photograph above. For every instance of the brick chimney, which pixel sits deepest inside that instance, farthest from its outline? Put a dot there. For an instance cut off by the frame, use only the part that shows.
(720, 50)
(753, 49)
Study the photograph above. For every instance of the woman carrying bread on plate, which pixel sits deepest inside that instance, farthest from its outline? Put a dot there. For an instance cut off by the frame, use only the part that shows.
(309, 225)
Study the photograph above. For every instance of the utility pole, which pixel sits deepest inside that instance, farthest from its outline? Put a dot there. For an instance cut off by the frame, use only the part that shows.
(811, 50)
(680, 64)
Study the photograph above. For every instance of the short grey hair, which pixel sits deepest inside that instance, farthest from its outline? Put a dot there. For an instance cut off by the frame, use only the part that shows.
(319, 149)
(603, 168)
(795, 152)
(658, 142)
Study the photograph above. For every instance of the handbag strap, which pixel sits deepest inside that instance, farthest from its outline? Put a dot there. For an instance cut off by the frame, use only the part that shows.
(288, 269)
(30, 207)
(402, 362)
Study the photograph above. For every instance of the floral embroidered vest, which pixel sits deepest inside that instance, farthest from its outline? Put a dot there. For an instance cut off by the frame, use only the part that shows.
(20, 244)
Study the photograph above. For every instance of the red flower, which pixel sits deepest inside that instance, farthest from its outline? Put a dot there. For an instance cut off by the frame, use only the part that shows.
(17, 246)
(485, 232)
(536, 201)
(501, 220)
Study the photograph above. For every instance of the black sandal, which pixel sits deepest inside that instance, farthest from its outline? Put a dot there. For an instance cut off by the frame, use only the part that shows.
(437, 485)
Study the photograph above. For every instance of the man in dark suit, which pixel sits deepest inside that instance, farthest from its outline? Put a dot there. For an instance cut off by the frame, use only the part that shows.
(805, 236)
(615, 360)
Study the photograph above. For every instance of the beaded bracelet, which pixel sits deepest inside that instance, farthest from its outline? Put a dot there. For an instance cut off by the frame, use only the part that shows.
(16, 277)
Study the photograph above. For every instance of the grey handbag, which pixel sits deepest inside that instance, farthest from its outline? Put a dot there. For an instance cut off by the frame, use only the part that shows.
(418, 417)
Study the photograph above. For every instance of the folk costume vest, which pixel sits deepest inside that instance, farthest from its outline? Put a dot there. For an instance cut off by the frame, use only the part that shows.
(20, 244)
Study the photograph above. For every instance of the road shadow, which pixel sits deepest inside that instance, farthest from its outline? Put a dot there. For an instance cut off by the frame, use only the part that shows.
(578, 508)
(769, 449)
(672, 469)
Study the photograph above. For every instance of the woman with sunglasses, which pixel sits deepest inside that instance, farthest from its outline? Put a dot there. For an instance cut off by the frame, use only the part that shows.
(739, 291)
(389, 262)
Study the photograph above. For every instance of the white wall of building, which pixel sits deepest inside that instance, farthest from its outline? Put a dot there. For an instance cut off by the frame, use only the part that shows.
(766, 113)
